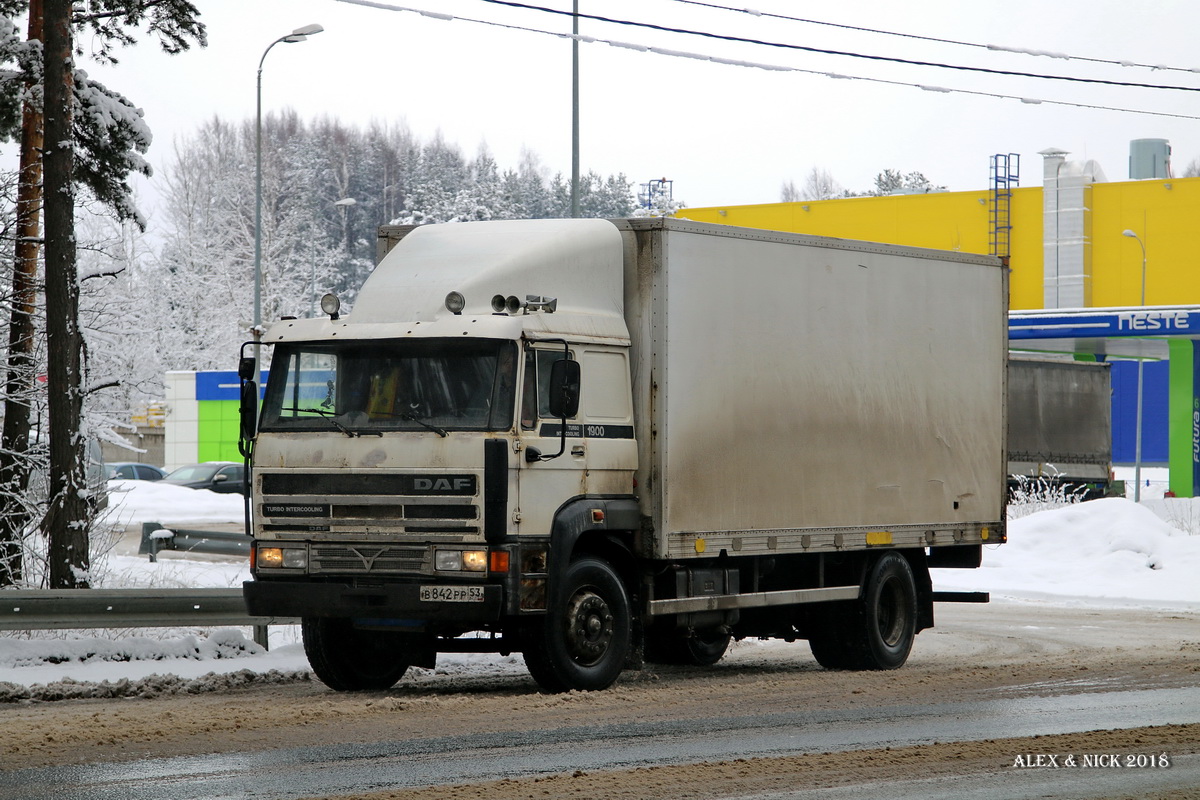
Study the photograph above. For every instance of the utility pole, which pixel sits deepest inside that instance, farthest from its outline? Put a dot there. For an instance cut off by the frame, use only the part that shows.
(575, 110)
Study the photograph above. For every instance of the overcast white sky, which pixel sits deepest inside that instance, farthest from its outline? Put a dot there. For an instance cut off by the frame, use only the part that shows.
(725, 134)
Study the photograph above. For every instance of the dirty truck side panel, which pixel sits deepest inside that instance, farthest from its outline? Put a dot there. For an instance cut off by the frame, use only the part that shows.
(800, 389)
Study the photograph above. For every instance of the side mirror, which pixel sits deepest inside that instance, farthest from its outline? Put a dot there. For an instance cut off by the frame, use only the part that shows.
(564, 388)
(220, 478)
(246, 369)
(248, 407)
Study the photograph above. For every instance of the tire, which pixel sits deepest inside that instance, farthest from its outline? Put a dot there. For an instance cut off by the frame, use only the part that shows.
(702, 649)
(877, 631)
(349, 660)
(829, 646)
(582, 643)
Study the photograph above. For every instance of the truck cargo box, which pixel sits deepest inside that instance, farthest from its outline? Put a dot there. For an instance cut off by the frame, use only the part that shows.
(803, 386)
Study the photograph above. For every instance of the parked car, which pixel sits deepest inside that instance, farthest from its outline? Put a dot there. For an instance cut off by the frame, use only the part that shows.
(219, 476)
(133, 471)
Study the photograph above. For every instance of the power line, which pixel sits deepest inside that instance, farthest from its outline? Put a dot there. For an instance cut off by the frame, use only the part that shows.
(847, 54)
(918, 37)
(755, 65)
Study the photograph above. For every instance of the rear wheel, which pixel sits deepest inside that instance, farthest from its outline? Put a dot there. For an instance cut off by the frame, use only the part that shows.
(877, 630)
(582, 644)
(349, 660)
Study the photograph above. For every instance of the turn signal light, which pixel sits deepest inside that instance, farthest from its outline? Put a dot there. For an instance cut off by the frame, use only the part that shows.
(498, 561)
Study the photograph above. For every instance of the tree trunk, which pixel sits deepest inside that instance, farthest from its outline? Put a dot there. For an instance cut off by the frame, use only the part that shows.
(66, 522)
(14, 439)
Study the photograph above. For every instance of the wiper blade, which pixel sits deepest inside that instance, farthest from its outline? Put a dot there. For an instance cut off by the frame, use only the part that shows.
(329, 415)
(408, 415)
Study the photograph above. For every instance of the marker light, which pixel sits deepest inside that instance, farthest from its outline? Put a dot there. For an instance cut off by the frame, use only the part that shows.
(498, 561)
(455, 302)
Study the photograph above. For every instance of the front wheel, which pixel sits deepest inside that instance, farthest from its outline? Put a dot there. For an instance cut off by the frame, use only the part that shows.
(347, 659)
(582, 642)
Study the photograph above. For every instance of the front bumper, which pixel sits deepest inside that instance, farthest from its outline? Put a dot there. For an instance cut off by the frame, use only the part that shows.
(398, 601)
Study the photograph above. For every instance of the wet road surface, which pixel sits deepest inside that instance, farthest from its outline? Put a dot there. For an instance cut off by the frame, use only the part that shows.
(333, 770)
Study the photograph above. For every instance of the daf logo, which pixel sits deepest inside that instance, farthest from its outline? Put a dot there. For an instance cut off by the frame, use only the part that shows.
(442, 484)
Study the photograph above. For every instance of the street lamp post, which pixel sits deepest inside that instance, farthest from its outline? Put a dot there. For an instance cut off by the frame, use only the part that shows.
(1137, 455)
(298, 35)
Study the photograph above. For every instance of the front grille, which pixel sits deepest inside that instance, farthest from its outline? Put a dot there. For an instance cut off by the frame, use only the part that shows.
(441, 512)
(305, 483)
(364, 559)
(370, 504)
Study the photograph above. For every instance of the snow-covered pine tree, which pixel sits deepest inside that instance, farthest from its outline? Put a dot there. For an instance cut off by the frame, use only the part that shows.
(106, 137)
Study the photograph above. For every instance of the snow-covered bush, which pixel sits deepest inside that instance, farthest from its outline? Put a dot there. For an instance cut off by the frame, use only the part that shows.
(1031, 495)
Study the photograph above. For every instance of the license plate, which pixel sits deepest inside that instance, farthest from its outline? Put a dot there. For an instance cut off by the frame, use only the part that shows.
(452, 594)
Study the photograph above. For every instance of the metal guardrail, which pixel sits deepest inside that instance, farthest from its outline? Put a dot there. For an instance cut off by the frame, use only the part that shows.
(156, 538)
(69, 609)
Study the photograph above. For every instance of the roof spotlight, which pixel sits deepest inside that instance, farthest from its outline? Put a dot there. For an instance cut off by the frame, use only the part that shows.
(455, 302)
(331, 305)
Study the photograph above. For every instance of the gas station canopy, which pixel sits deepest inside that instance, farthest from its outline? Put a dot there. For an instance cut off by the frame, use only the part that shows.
(1138, 332)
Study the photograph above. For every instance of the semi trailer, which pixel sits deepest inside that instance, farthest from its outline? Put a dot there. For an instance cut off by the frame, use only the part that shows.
(1060, 426)
(605, 442)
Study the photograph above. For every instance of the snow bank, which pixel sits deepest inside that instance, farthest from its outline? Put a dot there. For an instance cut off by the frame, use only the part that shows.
(1102, 552)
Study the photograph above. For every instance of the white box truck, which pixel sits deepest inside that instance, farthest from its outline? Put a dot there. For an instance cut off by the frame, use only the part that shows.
(600, 443)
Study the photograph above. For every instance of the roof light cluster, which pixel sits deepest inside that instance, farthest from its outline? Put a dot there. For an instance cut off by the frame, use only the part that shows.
(455, 303)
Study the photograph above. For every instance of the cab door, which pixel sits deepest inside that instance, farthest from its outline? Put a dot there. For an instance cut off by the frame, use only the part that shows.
(600, 452)
(552, 469)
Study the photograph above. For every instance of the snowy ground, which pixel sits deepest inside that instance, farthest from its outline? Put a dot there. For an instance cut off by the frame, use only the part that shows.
(1106, 553)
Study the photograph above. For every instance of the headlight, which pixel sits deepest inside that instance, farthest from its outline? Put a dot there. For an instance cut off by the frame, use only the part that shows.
(282, 558)
(456, 560)
(475, 560)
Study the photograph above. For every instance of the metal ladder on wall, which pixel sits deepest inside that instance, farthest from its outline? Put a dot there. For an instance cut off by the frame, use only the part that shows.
(1006, 174)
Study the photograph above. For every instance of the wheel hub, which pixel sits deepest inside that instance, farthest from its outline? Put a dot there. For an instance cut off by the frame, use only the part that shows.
(590, 627)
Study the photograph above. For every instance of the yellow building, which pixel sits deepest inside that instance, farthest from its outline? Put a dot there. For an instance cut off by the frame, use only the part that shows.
(1162, 212)
(1067, 248)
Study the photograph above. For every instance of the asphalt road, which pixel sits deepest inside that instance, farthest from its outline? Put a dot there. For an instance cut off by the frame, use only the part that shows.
(998, 674)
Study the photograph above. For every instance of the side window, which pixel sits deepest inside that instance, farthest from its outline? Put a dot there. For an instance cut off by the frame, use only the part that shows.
(535, 394)
(125, 471)
(605, 390)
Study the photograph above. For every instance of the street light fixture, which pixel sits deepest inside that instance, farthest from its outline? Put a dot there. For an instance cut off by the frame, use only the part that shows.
(1137, 455)
(298, 35)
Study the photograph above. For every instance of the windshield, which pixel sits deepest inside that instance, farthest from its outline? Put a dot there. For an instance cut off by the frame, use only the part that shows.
(437, 385)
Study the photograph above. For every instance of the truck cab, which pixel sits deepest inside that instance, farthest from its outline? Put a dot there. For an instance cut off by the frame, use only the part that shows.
(412, 458)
